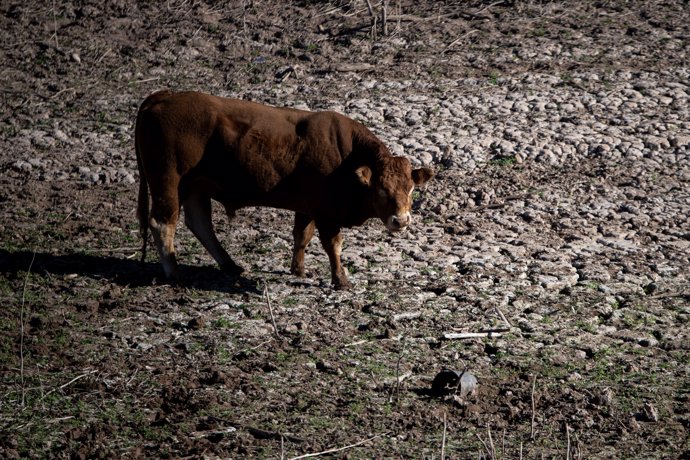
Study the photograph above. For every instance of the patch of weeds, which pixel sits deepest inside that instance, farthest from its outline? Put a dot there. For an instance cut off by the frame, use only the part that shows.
(223, 355)
(632, 320)
(355, 409)
(8, 131)
(377, 368)
(585, 326)
(319, 422)
(225, 323)
(291, 301)
(493, 78)
(539, 31)
(282, 357)
(375, 296)
(434, 72)
(508, 160)
(429, 271)
(591, 285)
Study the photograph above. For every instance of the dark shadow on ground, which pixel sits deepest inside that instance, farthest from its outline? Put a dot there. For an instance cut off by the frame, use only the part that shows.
(123, 272)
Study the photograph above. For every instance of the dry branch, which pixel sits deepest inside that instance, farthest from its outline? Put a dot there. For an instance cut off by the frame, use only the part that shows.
(352, 67)
(270, 310)
(62, 387)
(338, 449)
(470, 335)
(263, 434)
(407, 315)
(443, 441)
(534, 384)
(503, 317)
(457, 40)
(501, 204)
(21, 327)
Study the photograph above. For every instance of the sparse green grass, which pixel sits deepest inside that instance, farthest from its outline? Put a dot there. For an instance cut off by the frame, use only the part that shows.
(503, 160)
(225, 323)
(538, 31)
(493, 78)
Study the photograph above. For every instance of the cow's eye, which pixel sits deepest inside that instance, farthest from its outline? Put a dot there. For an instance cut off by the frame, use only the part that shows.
(382, 193)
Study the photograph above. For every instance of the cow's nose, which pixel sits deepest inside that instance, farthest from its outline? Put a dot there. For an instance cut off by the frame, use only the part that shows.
(401, 221)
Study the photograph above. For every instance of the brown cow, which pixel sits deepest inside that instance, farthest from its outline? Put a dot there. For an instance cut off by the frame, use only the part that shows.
(329, 169)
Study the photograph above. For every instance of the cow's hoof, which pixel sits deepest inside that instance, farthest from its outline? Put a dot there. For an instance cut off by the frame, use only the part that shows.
(300, 272)
(175, 280)
(231, 269)
(342, 285)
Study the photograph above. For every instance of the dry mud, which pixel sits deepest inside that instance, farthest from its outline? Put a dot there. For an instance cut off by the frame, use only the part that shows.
(557, 225)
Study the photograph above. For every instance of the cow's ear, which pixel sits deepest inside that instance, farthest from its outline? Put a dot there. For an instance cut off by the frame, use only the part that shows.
(422, 175)
(364, 175)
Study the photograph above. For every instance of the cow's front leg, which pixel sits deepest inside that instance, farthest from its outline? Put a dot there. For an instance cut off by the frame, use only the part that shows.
(303, 231)
(197, 213)
(332, 242)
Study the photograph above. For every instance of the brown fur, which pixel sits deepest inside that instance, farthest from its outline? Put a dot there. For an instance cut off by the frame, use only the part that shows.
(329, 169)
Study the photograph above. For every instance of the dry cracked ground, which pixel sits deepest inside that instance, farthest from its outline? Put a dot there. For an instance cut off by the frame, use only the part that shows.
(556, 234)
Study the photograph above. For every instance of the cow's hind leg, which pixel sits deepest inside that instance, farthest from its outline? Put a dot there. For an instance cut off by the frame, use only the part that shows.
(163, 220)
(332, 242)
(302, 232)
(197, 215)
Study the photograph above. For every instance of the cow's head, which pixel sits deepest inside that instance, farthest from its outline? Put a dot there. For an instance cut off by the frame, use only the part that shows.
(391, 184)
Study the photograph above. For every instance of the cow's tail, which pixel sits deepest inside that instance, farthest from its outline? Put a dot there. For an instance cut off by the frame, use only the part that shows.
(143, 208)
(142, 202)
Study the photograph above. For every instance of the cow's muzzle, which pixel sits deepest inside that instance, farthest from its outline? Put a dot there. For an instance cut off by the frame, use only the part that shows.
(396, 223)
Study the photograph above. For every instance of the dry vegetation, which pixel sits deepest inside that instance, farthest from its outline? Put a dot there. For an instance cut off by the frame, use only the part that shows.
(568, 267)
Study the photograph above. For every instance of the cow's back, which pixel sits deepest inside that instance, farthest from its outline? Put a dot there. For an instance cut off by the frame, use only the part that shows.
(243, 153)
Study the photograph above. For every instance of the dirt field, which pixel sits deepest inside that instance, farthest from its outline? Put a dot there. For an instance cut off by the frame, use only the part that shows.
(558, 226)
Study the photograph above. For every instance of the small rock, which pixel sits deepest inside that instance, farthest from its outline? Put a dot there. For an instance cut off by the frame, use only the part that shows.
(649, 413)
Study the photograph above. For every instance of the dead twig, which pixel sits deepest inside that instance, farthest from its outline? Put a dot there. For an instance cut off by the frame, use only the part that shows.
(55, 32)
(263, 434)
(62, 387)
(669, 295)
(21, 328)
(503, 444)
(534, 412)
(458, 40)
(503, 317)
(352, 67)
(98, 61)
(486, 447)
(491, 441)
(443, 440)
(407, 315)
(398, 380)
(384, 17)
(270, 310)
(477, 14)
(374, 20)
(501, 204)
(339, 449)
(146, 80)
(470, 335)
